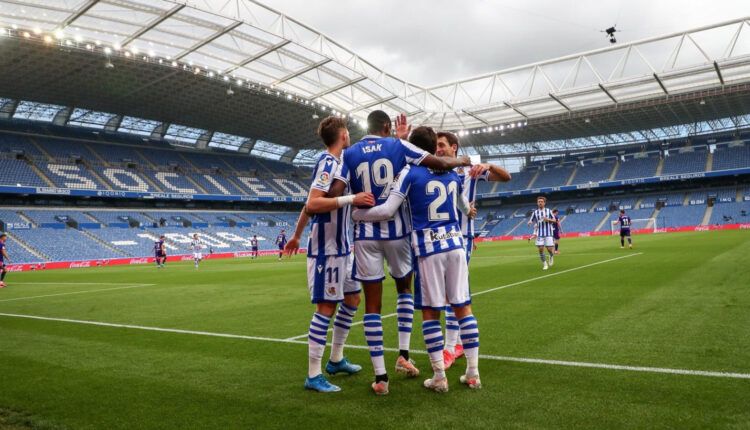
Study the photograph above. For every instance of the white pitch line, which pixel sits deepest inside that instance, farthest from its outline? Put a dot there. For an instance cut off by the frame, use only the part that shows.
(78, 292)
(581, 364)
(549, 275)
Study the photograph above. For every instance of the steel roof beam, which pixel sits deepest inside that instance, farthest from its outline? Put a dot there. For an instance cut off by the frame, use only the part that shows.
(476, 117)
(302, 71)
(208, 40)
(562, 103)
(77, 14)
(718, 72)
(150, 26)
(661, 84)
(338, 87)
(519, 111)
(260, 54)
(374, 103)
(606, 91)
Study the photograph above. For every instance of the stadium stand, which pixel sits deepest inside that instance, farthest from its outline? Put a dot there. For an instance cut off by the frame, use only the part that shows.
(731, 157)
(595, 170)
(19, 172)
(677, 162)
(634, 167)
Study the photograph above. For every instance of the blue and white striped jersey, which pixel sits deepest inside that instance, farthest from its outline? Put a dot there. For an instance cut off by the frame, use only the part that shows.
(470, 191)
(432, 197)
(369, 166)
(329, 232)
(544, 228)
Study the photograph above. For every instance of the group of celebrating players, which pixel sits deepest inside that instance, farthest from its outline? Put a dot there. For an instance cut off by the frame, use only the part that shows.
(413, 209)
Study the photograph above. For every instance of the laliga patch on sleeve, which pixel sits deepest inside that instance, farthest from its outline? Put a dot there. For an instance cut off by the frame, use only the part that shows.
(324, 178)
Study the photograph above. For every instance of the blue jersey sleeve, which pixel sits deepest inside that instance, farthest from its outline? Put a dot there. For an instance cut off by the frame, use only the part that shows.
(412, 153)
(343, 171)
(324, 173)
(402, 182)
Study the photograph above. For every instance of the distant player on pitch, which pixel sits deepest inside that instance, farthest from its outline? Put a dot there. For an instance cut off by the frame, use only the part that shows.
(329, 260)
(625, 223)
(4, 259)
(438, 243)
(196, 245)
(545, 222)
(160, 252)
(254, 247)
(281, 242)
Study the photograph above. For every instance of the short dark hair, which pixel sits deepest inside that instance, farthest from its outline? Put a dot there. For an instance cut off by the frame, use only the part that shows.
(554, 211)
(543, 198)
(377, 121)
(329, 128)
(450, 137)
(2, 235)
(622, 211)
(424, 138)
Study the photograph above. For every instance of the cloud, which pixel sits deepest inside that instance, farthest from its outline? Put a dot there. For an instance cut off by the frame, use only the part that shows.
(429, 42)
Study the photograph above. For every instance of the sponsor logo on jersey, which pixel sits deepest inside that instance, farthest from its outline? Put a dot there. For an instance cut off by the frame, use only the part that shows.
(436, 237)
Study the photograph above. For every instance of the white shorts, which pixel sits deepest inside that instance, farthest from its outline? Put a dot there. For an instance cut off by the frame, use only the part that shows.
(197, 256)
(370, 254)
(443, 281)
(330, 278)
(545, 241)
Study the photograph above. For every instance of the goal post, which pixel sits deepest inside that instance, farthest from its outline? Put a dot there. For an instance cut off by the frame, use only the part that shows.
(635, 225)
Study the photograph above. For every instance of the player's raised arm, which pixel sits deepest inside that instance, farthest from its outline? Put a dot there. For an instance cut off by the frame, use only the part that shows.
(418, 156)
(493, 173)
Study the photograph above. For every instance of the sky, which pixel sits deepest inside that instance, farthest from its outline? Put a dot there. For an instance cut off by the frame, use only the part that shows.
(429, 42)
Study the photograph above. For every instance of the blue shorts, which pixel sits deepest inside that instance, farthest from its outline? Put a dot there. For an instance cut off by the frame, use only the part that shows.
(255, 249)
(556, 235)
(624, 233)
(281, 247)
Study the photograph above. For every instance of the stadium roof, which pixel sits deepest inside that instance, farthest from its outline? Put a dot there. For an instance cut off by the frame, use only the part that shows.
(243, 69)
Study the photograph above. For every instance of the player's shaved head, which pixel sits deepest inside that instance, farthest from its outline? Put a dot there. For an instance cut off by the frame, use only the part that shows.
(424, 138)
(379, 123)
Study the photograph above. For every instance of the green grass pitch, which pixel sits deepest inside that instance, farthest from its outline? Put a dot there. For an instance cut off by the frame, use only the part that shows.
(676, 301)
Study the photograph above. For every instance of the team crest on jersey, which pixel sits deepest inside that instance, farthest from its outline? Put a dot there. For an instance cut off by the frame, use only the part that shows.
(320, 268)
(460, 170)
(331, 291)
(324, 178)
